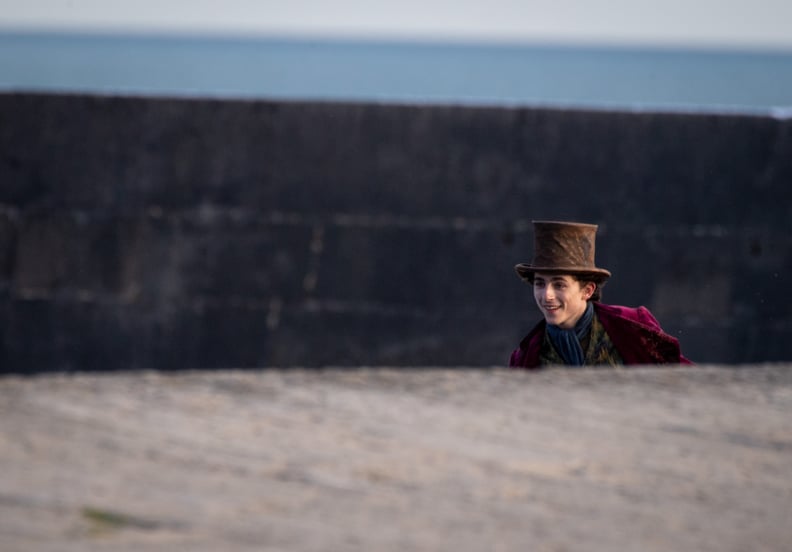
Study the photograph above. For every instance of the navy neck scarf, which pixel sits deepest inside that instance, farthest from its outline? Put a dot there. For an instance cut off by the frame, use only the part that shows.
(567, 342)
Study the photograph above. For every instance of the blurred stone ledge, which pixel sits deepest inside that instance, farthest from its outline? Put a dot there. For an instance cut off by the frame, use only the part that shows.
(469, 459)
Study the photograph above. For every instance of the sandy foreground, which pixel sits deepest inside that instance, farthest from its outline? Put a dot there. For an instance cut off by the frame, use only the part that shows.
(672, 459)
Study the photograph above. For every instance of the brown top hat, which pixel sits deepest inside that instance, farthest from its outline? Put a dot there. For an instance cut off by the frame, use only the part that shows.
(563, 248)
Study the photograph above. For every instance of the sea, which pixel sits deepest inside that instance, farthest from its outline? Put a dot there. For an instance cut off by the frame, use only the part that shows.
(618, 77)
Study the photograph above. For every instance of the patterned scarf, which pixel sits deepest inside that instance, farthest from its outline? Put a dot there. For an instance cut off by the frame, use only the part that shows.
(567, 342)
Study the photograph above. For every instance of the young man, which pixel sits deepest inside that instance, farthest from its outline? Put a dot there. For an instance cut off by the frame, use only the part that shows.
(577, 329)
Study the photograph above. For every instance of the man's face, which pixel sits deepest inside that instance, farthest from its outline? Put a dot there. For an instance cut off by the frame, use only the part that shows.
(561, 298)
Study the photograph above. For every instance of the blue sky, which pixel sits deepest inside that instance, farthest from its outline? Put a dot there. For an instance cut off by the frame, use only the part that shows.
(731, 24)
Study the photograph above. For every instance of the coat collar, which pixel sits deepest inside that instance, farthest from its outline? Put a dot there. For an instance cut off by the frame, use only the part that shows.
(635, 333)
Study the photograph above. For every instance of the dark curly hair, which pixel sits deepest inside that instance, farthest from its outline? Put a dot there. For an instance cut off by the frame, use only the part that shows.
(596, 296)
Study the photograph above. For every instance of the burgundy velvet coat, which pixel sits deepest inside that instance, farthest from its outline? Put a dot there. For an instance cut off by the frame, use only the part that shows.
(635, 333)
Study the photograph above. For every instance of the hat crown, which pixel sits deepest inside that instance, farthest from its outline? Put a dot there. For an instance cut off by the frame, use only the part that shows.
(564, 245)
(563, 248)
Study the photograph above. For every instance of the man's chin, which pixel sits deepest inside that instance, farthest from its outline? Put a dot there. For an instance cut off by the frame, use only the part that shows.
(552, 317)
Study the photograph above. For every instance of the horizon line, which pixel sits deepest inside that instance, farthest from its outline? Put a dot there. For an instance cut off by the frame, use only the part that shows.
(395, 39)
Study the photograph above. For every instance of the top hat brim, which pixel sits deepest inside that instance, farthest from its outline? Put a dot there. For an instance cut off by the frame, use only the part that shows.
(526, 271)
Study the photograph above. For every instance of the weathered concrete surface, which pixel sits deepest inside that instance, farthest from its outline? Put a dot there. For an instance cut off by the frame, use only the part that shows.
(376, 459)
(166, 233)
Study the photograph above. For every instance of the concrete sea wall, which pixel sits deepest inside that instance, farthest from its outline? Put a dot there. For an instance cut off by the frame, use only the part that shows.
(185, 233)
